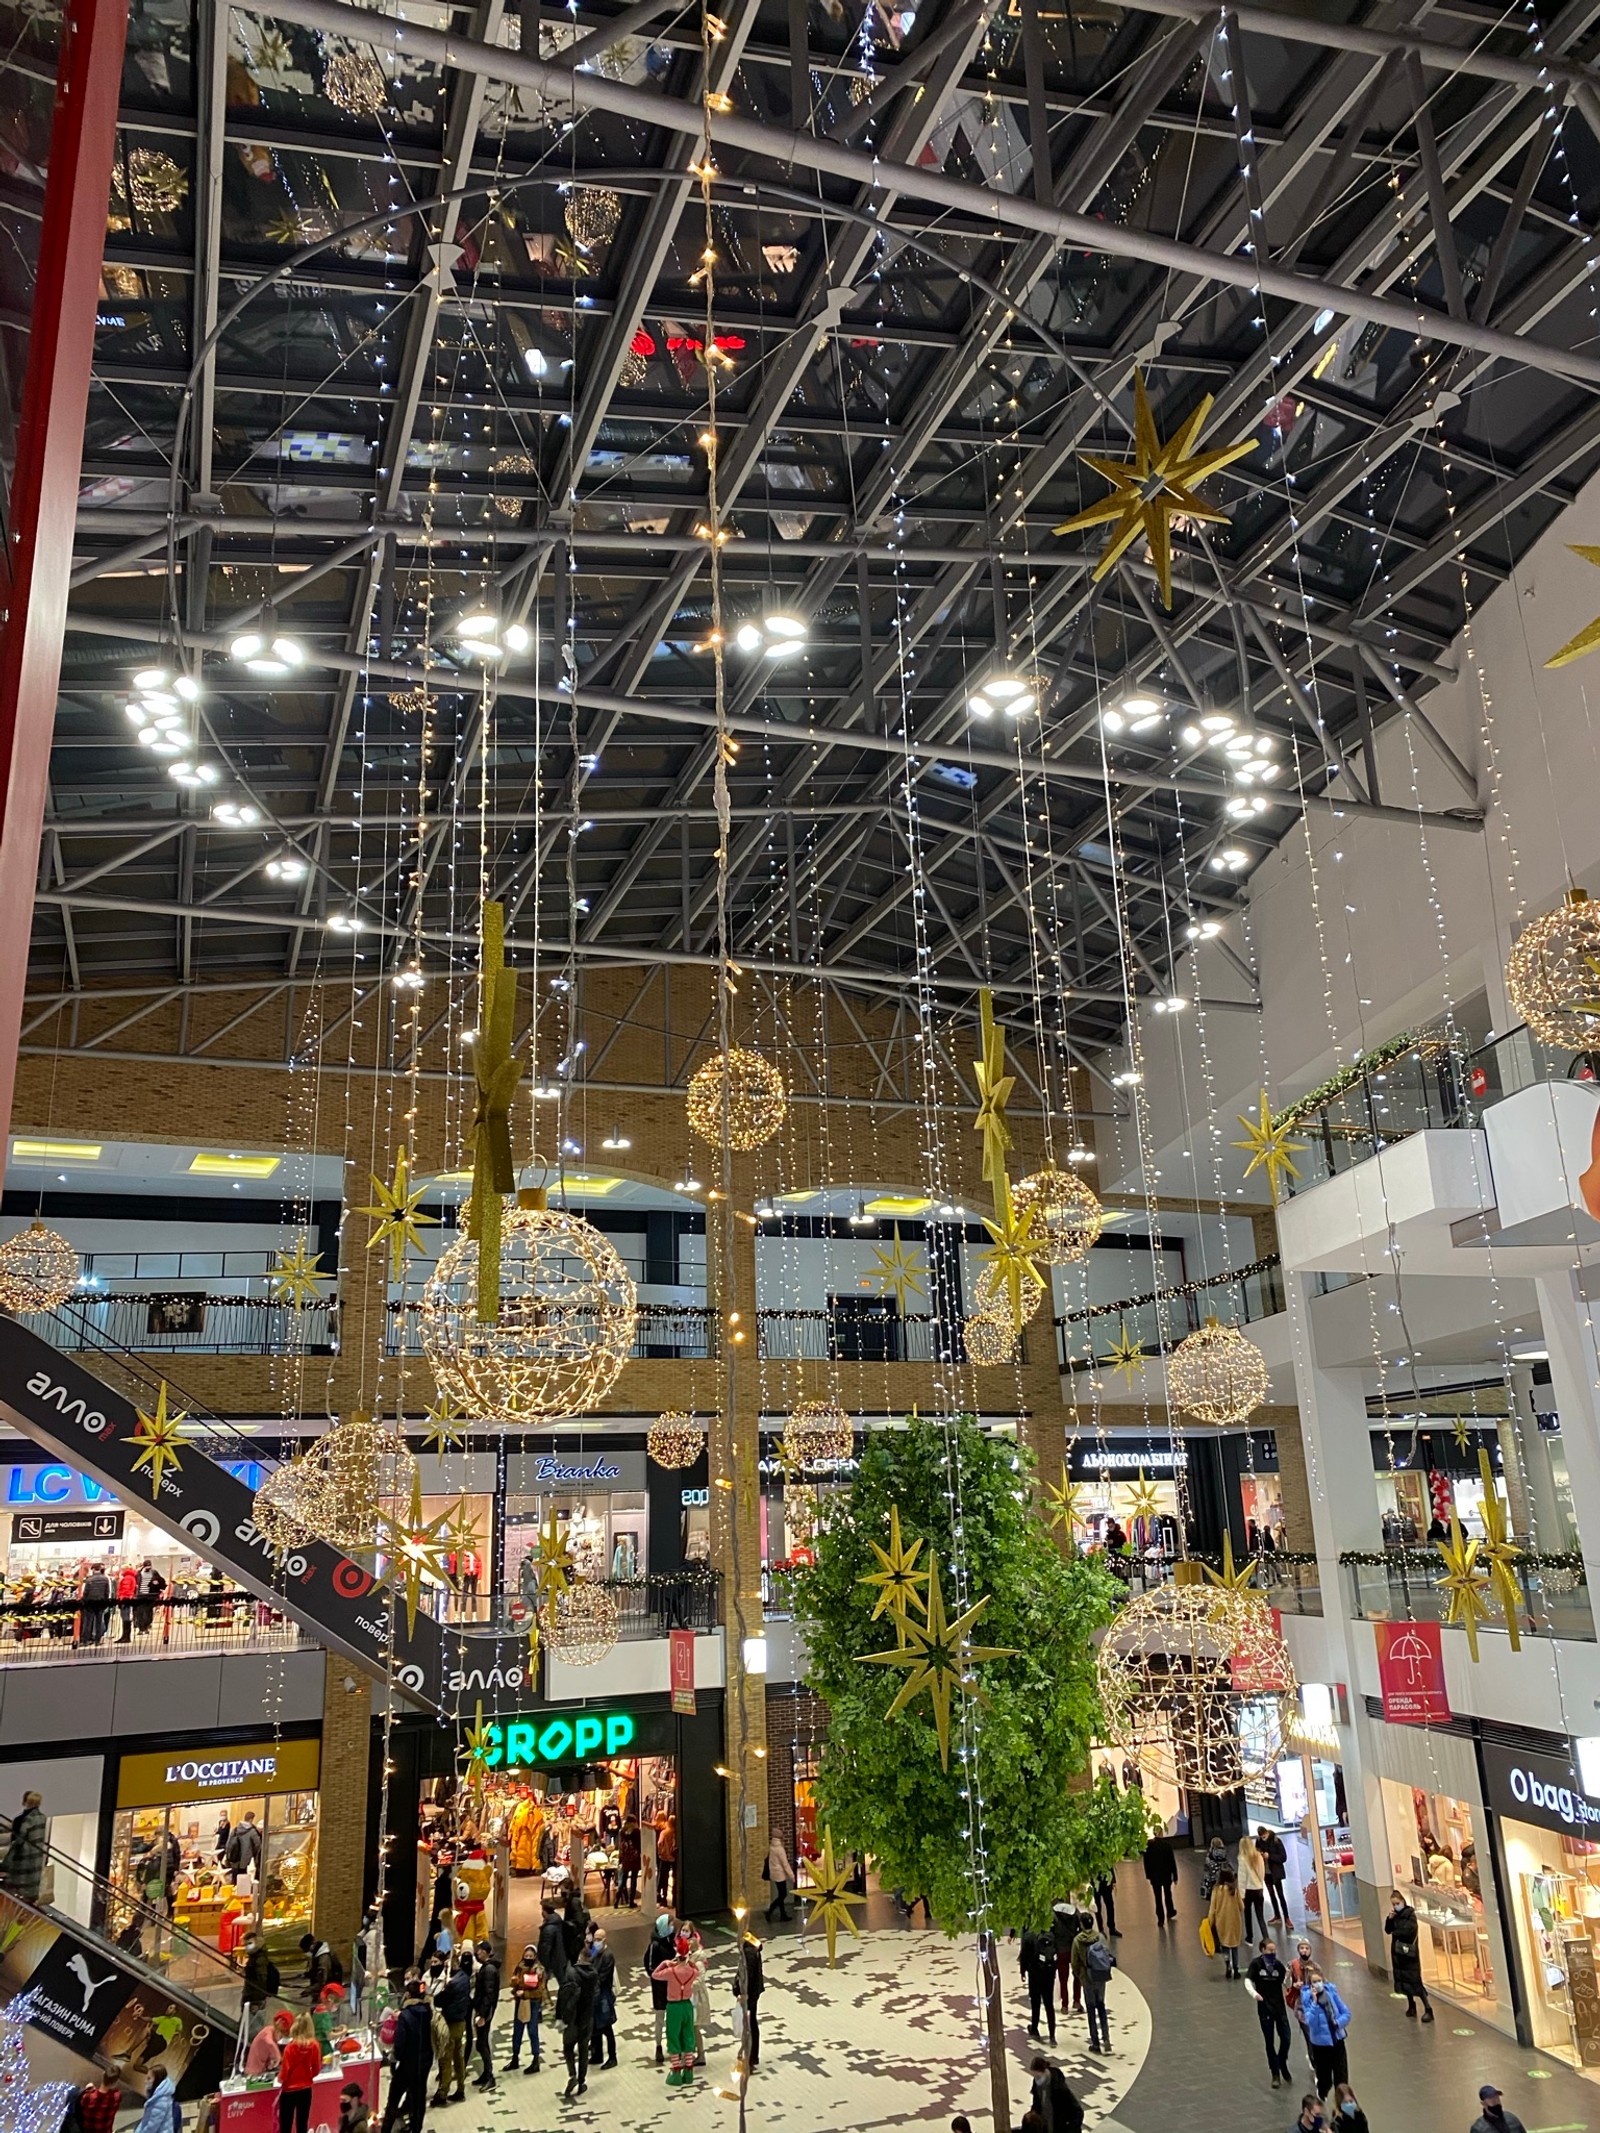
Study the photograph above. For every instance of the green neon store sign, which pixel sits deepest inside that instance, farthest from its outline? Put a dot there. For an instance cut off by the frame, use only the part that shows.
(544, 1743)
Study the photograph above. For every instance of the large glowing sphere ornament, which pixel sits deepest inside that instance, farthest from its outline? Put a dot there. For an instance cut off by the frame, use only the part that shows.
(740, 1092)
(818, 1431)
(567, 1317)
(38, 1270)
(1216, 1375)
(1198, 1686)
(1067, 1217)
(584, 1623)
(1553, 974)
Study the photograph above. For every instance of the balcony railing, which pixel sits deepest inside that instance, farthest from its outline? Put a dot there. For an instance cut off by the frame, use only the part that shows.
(1402, 1585)
(189, 1323)
(685, 1331)
(1159, 1320)
(869, 1336)
(649, 1606)
(54, 1632)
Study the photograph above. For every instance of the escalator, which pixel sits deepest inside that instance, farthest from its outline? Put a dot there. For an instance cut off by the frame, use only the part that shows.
(90, 1420)
(109, 1977)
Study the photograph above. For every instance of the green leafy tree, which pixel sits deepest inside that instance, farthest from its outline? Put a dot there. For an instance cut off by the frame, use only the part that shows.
(881, 1787)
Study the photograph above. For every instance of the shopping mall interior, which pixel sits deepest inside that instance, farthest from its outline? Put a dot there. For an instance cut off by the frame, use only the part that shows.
(800, 1247)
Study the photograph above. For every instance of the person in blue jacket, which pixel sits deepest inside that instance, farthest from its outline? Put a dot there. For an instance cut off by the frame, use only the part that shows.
(1327, 2023)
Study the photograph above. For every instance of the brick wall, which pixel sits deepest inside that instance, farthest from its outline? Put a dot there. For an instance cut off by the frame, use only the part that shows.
(794, 1719)
(342, 1809)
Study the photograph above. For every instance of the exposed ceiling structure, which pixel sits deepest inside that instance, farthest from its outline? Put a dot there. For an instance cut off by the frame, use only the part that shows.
(1374, 245)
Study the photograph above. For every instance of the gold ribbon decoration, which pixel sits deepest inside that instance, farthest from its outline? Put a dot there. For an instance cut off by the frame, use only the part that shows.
(994, 1090)
(497, 1067)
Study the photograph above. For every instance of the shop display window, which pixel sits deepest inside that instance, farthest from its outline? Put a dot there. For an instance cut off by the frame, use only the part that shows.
(1433, 1857)
(1555, 1893)
(1261, 1501)
(606, 1530)
(175, 1860)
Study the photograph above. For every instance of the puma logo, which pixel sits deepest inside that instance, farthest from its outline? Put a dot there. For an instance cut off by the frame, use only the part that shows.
(90, 1985)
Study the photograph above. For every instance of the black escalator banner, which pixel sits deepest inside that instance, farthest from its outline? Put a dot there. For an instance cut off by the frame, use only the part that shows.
(60, 1404)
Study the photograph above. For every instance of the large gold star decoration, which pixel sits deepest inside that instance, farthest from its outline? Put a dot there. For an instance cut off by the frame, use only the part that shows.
(497, 1067)
(553, 1565)
(462, 1531)
(1500, 1552)
(444, 1429)
(1461, 1433)
(157, 1438)
(293, 1276)
(399, 1216)
(1065, 1512)
(994, 1092)
(1011, 1253)
(897, 1578)
(1154, 487)
(1230, 1579)
(897, 1273)
(1125, 1355)
(831, 1897)
(481, 1743)
(1589, 636)
(415, 1551)
(1269, 1146)
(938, 1657)
(1142, 1498)
(1465, 1583)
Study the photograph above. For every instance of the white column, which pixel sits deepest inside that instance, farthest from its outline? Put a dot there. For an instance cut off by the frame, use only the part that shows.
(1568, 1320)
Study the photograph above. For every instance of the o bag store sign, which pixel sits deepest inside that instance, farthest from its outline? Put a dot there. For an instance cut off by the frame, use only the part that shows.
(1545, 1791)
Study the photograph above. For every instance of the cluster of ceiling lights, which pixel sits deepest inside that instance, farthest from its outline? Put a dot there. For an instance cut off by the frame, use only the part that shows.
(160, 708)
(1137, 714)
(1011, 695)
(266, 650)
(776, 636)
(485, 634)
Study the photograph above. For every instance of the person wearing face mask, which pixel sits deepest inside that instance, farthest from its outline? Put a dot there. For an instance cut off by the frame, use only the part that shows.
(1351, 2118)
(1311, 2119)
(1494, 2117)
(1266, 1979)
(1327, 2023)
(1405, 1956)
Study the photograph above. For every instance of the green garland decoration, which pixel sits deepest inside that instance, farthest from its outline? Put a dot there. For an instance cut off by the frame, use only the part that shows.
(1423, 1042)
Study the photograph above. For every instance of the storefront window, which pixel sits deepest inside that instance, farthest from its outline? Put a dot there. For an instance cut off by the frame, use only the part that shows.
(1261, 1501)
(606, 1530)
(1554, 1888)
(1433, 1859)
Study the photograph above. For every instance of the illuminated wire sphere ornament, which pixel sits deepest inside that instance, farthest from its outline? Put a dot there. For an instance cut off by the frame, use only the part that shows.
(568, 1312)
(286, 1509)
(1198, 1686)
(1553, 974)
(358, 1471)
(994, 1297)
(1216, 1375)
(675, 1439)
(1067, 1217)
(748, 1088)
(818, 1430)
(353, 79)
(990, 1337)
(156, 184)
(584, 1624)
(591, 213)
(38, 1270)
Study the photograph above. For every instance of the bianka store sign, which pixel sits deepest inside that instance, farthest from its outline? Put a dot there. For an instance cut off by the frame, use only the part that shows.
(232, 1773)
(545, 1742)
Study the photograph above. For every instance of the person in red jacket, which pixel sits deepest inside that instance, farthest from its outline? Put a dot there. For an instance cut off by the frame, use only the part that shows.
(298, 2068)
(127, 1593)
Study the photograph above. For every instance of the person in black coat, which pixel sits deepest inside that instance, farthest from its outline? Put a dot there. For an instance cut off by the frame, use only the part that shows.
(1405, 1956)
(603, 2042)
(575, 1922)
(1037, 1962)
(748, 1985)
(485, 1999)
(575, 2013)
(1275, 1860)
(659, 1951)
(552, 1945)
(1161, 1871)
(410, 2060)
(1053, 2099)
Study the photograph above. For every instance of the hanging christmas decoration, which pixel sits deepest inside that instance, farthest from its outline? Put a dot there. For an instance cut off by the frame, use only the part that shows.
(900, 1584)
(1155, 487)
(414, 1550)
(38, 1270)
(591, 213)
(359, 1469)
(938, 1657)
(831, 1898)
(497, 1067)
(1216, 1375)
(1500, 1553)
(818, 1431)
(1465, 1584)
(994, 1091)
(479, 1747)
(353, 79)
(157, 1439)
(1589, 636)
(1144, 1499)
(512, 463)
(1063, 1504)
(24, 2106)
(1125, 1357)
(413, 703)
(993, 1297)
(990, 1338)
(399, 1217)
(1228, 1578)
(583, 1624)
(554, 1566)
(800, 1513)
(1269, 1146)
(896, 1272)
(1198, 1686)
(1067, 1217)
(444, 1428)
(1553, 974)
(293, 1277)
(741, 1090)
(1010, 1255)
(156, 184)
(675, 1439)
(283, 1510)
(564, 1324)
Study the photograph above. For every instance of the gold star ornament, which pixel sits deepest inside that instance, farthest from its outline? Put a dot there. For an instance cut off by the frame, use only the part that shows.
(481, 1746)
(157, 1439)
(1142, 1498)
(938, 1658)
(897, 1273)
(897, 1577)
(1589, 636)
(1010, 1256)
(1499, 1552)
(1230, 1579)
(1269, 1146)
(1125, 1355)
(994, 1092)
(415, 1551)
(444, 1429)
(293, 1276)
(831, 1897)
(399, 1217)
(1465, 1584)
(553, 1565)
(1155, 487)
(1064, 1511)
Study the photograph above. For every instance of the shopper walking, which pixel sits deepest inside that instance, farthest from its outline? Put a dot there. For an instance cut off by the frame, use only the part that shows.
(298, 2068)
(1037, 1962)
(1311, 2119)
(261, 1980)
(1227, 1919)
(1252, 1872)
(1276, 1861)
(243, 1855)
(1351, 2118)
(658, 1953)
(1327, 2024)
(410, 2060)
(748, 1985)
(629, 1859)
(127, 1593)
(485, 2000)
(552, 1944)
(1267, 1979)
(781, 1874)
(527, 2006)
(1493, 2118)
(603, 2044)
(1405, 1956)
(1161, 1871)
(1063, 1932)
(22, 1868)
(1105, 1904)
(1216, 1862)
(575, 2013)
(99, 2103)
(1058, 2108)
(160, 2113)
(1093, 1962)
(454, 2002)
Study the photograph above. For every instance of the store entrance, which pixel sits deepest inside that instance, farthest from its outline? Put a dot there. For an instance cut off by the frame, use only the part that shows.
(216, 1868)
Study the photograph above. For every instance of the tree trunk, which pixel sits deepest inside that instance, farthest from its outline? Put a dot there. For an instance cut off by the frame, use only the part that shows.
(995, 2022)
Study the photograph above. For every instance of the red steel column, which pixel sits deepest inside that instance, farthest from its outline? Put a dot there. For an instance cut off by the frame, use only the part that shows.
(44, 484)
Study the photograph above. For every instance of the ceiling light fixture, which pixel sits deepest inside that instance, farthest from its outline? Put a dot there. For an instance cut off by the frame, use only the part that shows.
(1014, 695)
(615, 1142)
(1230, 860)
(236, 814)
(485, 636)
(289, 869)
(265, 649)
(1203, 929)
